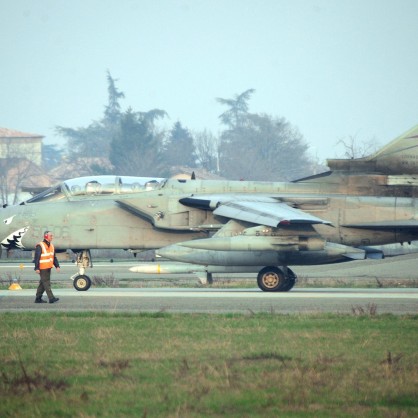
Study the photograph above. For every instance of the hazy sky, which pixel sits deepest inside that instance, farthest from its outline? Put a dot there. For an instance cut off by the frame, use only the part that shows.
(332, 68)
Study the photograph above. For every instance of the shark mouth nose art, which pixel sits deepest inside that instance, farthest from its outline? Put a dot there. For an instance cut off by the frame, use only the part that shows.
(14, 240)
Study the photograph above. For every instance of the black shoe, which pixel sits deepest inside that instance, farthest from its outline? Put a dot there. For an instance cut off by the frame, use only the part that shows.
(53, 300)
(40, 300)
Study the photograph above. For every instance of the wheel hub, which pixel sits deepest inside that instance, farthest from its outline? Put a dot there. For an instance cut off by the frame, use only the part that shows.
(81, 283)
(271, 280)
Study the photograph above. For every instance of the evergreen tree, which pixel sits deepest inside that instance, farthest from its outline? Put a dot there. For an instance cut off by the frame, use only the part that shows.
(112, 110)
(236, 115)
(94, 140)
(270, 149)
(179, 149)
(136, 147)
(51, 156)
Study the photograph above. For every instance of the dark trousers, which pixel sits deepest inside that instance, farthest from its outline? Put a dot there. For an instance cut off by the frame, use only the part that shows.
(44, 284)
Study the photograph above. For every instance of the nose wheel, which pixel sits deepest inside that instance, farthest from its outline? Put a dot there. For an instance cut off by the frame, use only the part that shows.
(81, 282)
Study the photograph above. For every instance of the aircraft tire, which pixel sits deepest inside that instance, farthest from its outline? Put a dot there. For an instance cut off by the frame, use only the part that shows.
(290, 281)
(271, 279)
(82, 283)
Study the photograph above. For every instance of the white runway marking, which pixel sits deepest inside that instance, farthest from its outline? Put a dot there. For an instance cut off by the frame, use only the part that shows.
(229, 293)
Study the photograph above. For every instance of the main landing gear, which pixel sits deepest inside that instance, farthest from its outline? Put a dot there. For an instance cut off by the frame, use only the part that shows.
(81, 282)
(276, 279)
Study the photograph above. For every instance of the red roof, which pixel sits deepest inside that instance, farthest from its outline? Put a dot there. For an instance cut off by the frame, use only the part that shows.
(10, 133)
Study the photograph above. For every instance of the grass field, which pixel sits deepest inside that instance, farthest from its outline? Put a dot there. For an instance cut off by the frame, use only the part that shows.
(169, 365)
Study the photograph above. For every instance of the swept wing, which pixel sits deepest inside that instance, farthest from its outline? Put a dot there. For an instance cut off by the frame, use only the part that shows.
(260, 211)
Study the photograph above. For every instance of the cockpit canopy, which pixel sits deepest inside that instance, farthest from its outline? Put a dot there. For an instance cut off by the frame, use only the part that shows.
(97, 185)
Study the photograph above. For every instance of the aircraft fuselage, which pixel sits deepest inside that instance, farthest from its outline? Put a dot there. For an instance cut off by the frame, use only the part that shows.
(156, 218)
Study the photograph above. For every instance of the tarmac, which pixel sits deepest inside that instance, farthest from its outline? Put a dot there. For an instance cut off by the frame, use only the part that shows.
(180, 293)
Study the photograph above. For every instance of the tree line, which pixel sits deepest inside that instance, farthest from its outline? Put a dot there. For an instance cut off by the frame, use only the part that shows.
(254, 146)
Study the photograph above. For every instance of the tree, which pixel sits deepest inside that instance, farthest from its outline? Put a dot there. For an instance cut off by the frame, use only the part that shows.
(354, 149)
(51, 156)
(207, 150)
(136, 146)
(94, 140)
(16, 169)
(129, 140)
(236, 115)
(179, 148)
(259, 146)
(13, 171)
(112, 111)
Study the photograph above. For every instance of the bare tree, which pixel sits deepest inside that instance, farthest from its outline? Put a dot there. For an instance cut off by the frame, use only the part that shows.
(207, 150)
(17, 168)
(353, 148)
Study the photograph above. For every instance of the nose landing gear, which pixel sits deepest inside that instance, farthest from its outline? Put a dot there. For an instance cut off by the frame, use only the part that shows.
(82, 282)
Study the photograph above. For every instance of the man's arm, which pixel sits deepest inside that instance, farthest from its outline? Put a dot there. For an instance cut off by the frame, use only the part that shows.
(38, 252)
(56, 263)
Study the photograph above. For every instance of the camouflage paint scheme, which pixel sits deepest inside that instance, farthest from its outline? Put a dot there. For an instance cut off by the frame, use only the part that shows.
(232, 225)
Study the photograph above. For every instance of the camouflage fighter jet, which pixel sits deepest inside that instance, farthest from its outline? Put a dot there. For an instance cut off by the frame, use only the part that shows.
(208, 226)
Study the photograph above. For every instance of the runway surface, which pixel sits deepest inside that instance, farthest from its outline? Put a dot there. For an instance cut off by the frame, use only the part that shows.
(168, 293)
(397, 301)
(401, 267)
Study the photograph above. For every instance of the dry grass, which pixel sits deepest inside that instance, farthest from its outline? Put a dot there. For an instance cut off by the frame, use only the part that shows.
(164, 365)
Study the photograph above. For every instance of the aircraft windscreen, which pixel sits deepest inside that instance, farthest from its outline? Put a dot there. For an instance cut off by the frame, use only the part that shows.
(97, 185)
(54, 193)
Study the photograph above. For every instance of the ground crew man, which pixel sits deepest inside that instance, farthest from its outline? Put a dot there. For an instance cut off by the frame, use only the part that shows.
(45, 259)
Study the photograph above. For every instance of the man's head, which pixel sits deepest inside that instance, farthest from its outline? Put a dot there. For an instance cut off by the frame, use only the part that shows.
(48, 235)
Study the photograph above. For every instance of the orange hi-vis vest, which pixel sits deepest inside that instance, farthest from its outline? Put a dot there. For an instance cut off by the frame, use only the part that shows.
(47, 257)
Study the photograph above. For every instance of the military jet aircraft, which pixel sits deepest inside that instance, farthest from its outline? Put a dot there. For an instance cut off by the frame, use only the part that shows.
(212, 226)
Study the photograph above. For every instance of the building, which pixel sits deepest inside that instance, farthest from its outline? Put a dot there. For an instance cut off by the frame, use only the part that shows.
(20, 165)
(15, 144)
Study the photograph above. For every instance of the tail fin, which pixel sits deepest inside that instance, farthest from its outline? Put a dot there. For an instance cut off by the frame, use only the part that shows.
(400, 156)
